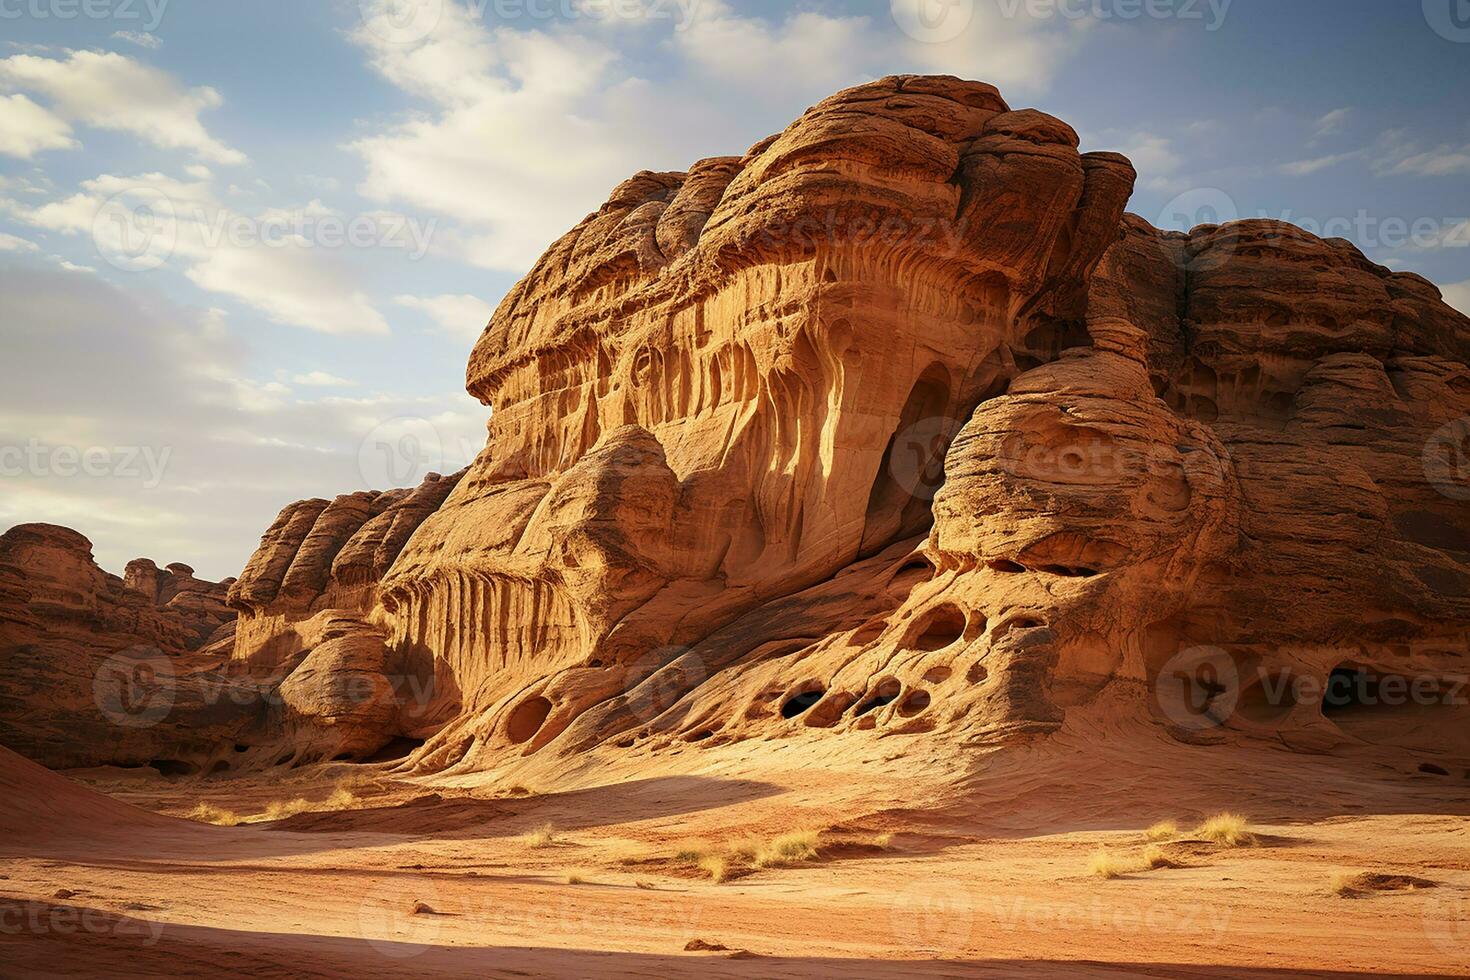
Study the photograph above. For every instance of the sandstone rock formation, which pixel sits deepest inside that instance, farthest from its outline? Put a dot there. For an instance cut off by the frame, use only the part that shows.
(84, 655)
(899, 425)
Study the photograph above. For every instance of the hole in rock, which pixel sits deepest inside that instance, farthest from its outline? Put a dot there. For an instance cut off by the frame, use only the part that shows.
(219, 767)
(173, 767)
(398, 748)
(942, 627)
(829, 709)
(527, 718)
(911, 469)
(886, 692)
(869, 633)
(1069, 571)
(1006, 565)
(915, 703)
(911, 574)
(242, 748)
(801, 702)
(1432, 769)
(344, 757)
(937, 675)
(976, 674)
(700, 736)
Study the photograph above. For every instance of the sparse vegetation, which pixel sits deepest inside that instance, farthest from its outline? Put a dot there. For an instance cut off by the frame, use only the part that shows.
(715, 866)
(209, 813)
(575, 879)
(1105, 864)
(1162, 831)
(752, 852)
(790, 848)
(1228, 829)
(542, 836)
(1154, 857)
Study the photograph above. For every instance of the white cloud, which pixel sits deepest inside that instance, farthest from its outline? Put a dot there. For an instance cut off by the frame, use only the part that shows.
(321, 379)
(141, 38)
(79, 350)
(292, 283)
(1332, 123)
(1152, 156)
(1303, 168)
(526, 131)
(811, 48)
(113, 91)
(13, 243)
(1458, 296)
(461, 316)
(1442, 161)
(27, 128)
(1395, 154)
(275, 268)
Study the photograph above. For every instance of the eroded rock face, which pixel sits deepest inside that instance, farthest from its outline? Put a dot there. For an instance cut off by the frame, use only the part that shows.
(87, 659)
(898, 425)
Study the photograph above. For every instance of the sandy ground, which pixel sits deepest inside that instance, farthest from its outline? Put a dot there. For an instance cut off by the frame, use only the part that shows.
(985, 872)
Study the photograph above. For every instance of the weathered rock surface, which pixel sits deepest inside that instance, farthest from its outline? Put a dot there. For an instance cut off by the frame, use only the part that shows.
(899, 425)
(87, 659)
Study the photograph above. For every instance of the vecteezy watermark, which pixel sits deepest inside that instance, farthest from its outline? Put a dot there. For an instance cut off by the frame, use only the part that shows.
(1203, 687)
(1450, 19)
(916, 455)
(399, 915)
(147, 12)
(1198, 688)
(50, 919)
(135, 688)
(39, 459)
(140, 228)
(1210, 13)
(136, 229)
(413, 21)
(1446, 459)
(933, 21)
(403, 451)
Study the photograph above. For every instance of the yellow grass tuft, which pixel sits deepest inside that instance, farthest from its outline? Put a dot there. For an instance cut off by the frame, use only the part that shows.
(1107, 865)
(1154, 857)
(1162, 831)
(576, 880)
(1226, 828)
(209, 813)
(715, 866)
(690, 855)
(542, 836)
(790, 848)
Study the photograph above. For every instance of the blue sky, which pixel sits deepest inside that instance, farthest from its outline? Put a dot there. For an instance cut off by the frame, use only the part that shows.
(177, 178)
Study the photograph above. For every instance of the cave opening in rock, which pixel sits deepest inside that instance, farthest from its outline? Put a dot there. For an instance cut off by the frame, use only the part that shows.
(799, 703)
(915, 703)
(174, 767)
(940, 628)
(527, 718)
(912, 466)
(398, 748)
(885, 693)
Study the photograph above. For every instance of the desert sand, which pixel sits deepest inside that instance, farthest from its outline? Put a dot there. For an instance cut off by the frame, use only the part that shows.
(888, 557)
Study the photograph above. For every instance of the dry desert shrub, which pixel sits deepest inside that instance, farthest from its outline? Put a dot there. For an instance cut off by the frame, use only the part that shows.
(1105, 864)
(1228, 829)
(542, 836)
(1162, 831)
(715, 866)
(209, 813)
